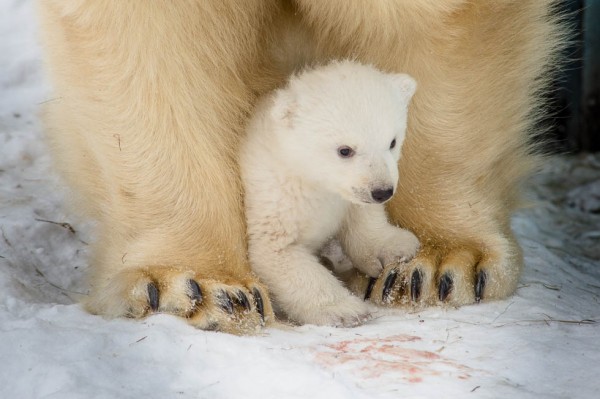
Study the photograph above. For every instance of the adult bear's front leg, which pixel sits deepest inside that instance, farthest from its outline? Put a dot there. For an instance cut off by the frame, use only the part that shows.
(480, 69)
(150, 100)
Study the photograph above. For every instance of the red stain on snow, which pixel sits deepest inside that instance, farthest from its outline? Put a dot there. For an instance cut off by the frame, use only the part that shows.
(390, 356)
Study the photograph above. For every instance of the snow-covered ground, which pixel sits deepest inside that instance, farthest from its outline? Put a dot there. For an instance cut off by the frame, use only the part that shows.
(544, 342)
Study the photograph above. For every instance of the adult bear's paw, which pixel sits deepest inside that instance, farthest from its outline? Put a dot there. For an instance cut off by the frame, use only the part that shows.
(227, 305)
(456, 276)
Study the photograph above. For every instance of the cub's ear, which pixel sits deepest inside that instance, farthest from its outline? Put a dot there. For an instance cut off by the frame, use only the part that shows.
(283, 108)
(405, 84)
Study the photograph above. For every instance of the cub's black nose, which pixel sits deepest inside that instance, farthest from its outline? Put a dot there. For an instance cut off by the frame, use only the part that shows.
(382, 195)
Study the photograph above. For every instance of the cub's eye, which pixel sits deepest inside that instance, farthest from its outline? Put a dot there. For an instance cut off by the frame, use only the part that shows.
(345, 152)
(393, 144)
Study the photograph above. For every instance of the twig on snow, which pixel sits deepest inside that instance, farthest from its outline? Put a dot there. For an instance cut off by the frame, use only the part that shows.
(61, 224)
(504, 311)
(551, 287)
(548, 321)
(64, 290)
(5, 238)
(64, 225)
(50, 100)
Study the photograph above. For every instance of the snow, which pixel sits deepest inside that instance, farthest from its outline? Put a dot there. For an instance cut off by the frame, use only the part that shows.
(542, 342)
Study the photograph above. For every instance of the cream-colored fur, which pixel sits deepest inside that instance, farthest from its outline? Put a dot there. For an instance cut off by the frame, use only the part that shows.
(151, 98)
(300, 192)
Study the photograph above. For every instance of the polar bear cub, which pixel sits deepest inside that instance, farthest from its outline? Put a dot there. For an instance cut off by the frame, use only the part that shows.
(319, 160)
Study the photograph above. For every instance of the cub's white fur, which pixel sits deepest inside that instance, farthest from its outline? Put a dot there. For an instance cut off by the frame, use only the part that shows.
(300, 191)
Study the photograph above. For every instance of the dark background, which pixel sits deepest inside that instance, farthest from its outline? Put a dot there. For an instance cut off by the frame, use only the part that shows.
(574, 118)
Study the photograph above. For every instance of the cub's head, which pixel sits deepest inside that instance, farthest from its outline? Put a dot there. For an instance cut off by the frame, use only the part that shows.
(342, 127)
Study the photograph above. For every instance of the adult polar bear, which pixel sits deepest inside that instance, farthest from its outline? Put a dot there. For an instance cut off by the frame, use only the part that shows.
(151, 97)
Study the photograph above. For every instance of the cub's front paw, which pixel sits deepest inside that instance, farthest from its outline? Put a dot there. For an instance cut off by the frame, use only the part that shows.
(349, 311)
(394, 246)
(399, 246)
